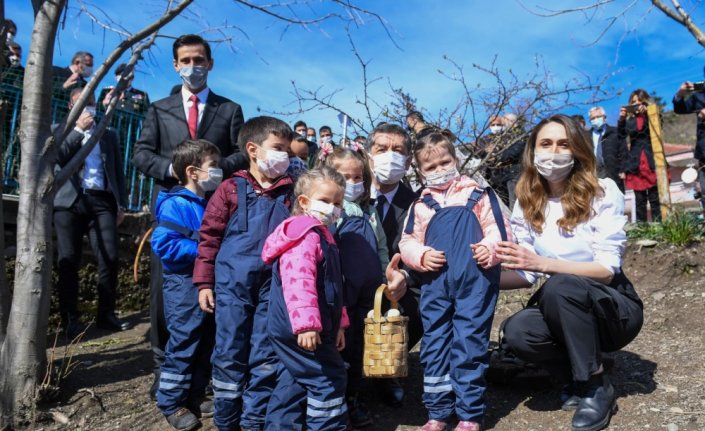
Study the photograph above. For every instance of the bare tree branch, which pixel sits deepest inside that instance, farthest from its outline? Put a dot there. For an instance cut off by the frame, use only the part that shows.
(126, 44)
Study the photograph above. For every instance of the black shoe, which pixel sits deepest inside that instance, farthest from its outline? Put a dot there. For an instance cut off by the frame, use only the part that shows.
(204, 409)
(358, 413)
(569, 398)
(183, 420)
(393, 392)
(112, 323)
(596, 406)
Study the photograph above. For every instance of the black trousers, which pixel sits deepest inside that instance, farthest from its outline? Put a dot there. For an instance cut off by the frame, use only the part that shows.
(571, 320)
(95, 214)
(640, 198)
(158, 332)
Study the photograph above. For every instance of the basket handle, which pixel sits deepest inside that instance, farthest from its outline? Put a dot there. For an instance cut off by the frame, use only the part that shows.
(378, 302)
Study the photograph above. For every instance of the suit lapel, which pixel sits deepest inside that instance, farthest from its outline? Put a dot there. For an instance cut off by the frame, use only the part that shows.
(208, 114)
(177, 110)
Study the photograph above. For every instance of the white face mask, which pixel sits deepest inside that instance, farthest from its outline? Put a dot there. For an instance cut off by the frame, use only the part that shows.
(496, 129)
(441, 180)
(10, 38)
(90, 109)
(14, 60)
(327, 214)
(87, 71)
(390, 167)
(311, 138)
(194, 77)
(326, 140)
(353, 191)
(215, 177)
(598, 122)
(554, 167)
(274, 163)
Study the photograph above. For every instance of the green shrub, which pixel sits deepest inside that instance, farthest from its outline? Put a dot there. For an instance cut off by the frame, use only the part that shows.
(680, 228)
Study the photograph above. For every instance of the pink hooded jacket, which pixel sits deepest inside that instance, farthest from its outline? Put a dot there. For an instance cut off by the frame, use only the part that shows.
(298, 247)
(412, 245)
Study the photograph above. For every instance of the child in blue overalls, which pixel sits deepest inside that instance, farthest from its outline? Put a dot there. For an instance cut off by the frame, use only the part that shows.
(363, 257)
(306, 314)
(233, 281)
(179, 211)
(450, 239)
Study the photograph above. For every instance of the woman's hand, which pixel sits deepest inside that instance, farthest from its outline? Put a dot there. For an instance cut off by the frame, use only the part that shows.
(340, 342)
(514, 256)
(309, 340)
(433, 260)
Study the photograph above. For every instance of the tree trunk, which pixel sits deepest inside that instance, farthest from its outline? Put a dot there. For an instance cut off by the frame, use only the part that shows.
(23, 352)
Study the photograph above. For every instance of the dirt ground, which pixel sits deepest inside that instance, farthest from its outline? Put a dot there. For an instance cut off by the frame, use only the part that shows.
(659, 378)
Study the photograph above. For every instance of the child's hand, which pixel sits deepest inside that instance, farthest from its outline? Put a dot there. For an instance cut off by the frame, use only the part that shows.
(481, 254)
(206, 301)
(433, 260)
(309, 340)
(340, 342)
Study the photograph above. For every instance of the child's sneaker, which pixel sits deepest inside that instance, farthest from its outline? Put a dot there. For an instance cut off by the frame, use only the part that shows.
(434, 425)
(467, 426)
(183, 420)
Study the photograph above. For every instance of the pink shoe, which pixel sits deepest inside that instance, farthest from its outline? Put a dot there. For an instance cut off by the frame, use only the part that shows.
(467, 426)
(434, 425)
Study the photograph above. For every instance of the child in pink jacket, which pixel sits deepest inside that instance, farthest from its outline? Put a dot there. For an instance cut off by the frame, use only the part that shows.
(450, 238)
(307, 319)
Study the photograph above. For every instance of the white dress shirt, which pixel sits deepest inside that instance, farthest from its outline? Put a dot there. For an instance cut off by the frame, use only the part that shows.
(93, 175)
(389, 196)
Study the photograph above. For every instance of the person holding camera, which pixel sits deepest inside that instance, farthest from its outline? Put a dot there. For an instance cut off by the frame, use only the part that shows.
(639, 167)
(690, 99)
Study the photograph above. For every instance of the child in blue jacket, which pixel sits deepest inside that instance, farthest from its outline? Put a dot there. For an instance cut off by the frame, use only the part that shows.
(179, 211)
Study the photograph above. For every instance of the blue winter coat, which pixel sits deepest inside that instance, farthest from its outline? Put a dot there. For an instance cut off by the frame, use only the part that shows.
(176, 250)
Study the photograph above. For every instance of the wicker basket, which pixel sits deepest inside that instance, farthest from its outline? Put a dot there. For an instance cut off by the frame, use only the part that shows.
(386, 343)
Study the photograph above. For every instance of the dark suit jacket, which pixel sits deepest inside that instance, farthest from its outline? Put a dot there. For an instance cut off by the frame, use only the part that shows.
(67, 195)
(393, 223)
(693, 103)
(165, 127)
(614, 154)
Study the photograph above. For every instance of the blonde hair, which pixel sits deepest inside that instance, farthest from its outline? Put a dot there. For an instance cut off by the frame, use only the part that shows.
(309, 180)
(338, 155)
(532, 189)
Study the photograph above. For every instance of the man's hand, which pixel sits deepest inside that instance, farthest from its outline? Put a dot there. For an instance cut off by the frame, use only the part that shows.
(396, 281)
(206, 301)
(85, 121)
(433, 260)
(71, 80)
(310, 339)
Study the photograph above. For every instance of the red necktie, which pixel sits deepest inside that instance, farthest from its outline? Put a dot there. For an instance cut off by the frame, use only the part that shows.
(193, 116)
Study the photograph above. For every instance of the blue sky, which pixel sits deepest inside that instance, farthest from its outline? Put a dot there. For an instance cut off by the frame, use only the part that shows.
(641, 50)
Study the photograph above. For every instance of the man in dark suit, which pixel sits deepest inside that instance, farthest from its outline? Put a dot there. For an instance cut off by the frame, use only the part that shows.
(610, 152)
(74, 75)
(92, 201)
(131, 100)
(390, 150)
(195, 112)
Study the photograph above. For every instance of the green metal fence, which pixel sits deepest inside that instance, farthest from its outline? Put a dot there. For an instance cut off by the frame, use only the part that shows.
(126, 123)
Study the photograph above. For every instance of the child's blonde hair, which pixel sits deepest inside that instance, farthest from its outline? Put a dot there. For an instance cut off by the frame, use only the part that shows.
(307, 181)
(338, 154)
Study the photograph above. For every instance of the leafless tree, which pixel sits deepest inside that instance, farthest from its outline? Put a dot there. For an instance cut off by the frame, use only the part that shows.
(614, 11)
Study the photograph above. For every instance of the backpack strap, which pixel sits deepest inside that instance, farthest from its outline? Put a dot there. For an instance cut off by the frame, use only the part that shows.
(183, 230)
(241, 184)
(429, 201)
